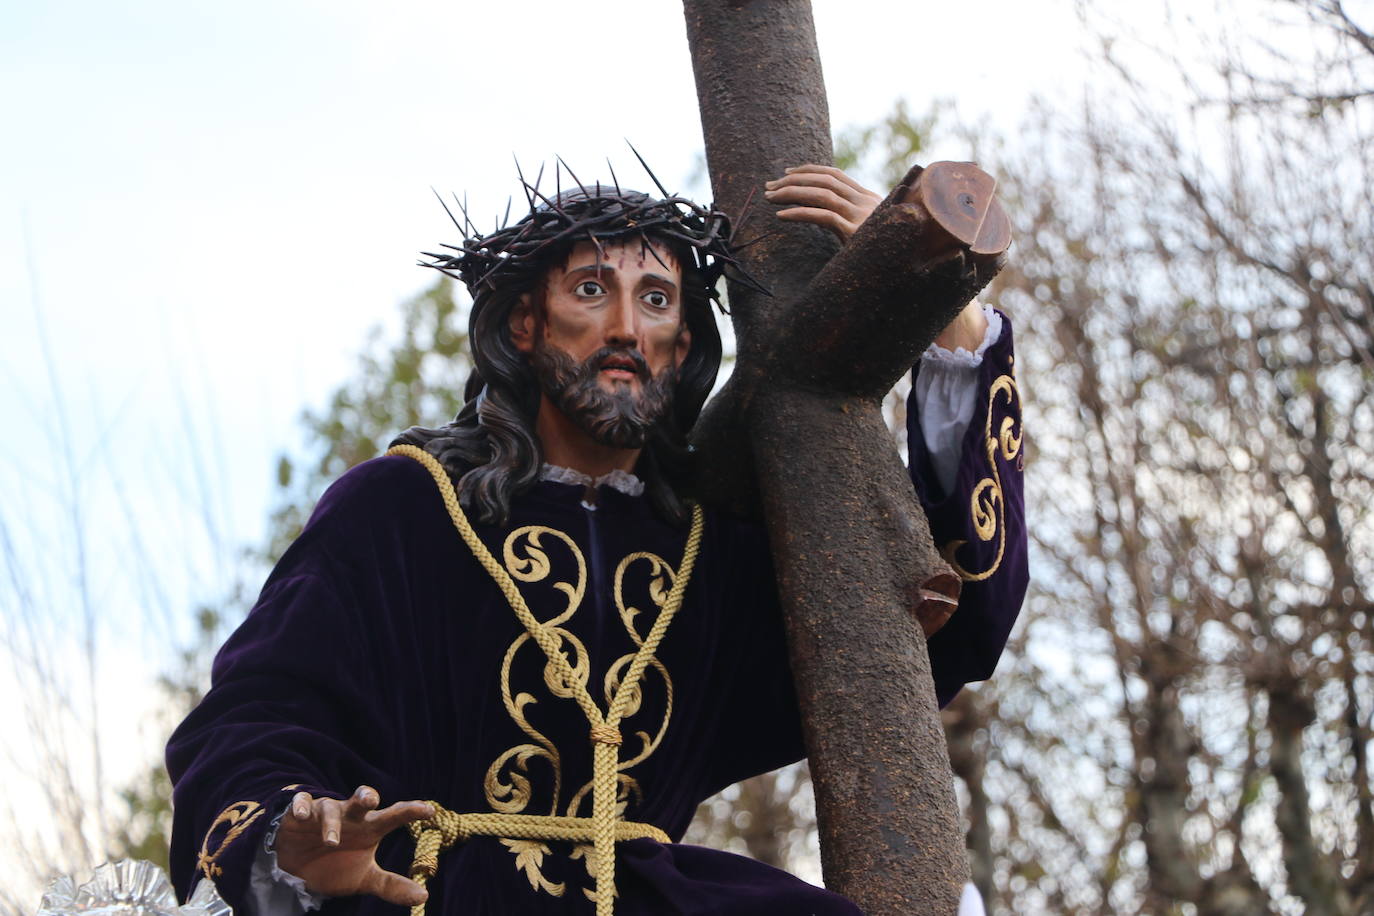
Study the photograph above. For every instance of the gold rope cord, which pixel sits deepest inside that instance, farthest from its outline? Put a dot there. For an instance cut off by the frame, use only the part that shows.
(604, 827)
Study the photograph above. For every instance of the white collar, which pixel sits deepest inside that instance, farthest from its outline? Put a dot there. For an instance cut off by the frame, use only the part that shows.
(623, 481)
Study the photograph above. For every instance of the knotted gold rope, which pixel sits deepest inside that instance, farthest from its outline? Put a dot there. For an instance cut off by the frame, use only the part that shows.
(604, 827)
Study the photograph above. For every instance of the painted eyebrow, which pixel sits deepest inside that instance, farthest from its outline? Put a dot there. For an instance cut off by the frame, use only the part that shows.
(608, 269)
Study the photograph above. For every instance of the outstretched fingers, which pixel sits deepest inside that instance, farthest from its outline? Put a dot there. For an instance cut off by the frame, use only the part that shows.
(363, 800)
(331, 820)
(335, 820)
(322, 815)
(389, 886)
(823, 217)
(824, 196)
(301, 805)
(398, 815)
(331, 844)
(827, 177)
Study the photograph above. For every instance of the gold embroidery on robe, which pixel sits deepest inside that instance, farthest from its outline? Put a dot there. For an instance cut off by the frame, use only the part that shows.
(529, 857)
(987, 506)
(529, 776)
(234, 820)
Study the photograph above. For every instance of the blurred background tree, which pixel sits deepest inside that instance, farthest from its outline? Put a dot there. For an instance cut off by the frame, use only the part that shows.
(1183, 723)
(417, 378)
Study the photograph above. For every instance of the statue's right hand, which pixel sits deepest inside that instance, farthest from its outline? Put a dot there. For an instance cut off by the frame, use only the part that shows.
(332, 845)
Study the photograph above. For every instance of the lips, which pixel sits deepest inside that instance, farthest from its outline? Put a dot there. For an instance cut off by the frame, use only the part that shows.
(621, 366)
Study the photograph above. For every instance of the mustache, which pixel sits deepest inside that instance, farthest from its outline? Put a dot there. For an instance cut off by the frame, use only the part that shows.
(597, 361)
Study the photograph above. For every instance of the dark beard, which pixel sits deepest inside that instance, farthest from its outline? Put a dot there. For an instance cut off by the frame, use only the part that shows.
(618, 418)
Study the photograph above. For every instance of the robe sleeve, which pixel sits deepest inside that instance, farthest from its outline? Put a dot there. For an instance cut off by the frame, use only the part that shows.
(979, 524)
(293, 700)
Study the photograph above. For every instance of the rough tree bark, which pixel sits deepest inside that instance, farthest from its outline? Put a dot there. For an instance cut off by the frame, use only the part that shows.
(798, 434)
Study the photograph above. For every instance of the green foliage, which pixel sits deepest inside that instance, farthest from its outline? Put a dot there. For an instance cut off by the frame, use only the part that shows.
(146, 823)
(418, 380)
(146, 831)
(883, 152)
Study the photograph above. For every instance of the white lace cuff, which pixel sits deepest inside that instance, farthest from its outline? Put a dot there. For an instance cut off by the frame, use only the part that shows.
(273, 892)
(936, 355)
(944, 397)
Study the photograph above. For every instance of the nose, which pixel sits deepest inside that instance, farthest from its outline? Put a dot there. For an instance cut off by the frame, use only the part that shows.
(622, 322)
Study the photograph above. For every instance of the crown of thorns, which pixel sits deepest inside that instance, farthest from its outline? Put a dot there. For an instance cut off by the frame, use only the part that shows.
(593, 213)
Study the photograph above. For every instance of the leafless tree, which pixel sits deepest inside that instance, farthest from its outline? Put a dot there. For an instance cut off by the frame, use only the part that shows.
(1182, 723)
(1186, 725)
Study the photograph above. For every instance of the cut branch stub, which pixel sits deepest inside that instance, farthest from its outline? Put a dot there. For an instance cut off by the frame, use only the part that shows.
(878, 303)
(937, 602)
(961, 199)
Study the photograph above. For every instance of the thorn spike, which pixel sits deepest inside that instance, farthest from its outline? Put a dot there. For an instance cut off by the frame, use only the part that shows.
(446, 209)
(524, 185)
(658, 184)
(572, 174)
(468, 228)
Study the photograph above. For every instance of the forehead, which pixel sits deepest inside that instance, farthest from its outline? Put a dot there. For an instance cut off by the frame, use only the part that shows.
(624, 255)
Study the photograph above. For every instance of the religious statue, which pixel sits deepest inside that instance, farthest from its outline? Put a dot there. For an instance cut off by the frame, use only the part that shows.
(503, 664)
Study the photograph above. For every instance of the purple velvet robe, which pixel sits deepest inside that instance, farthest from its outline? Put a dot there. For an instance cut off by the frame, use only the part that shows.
(980, 525)
(380, 653)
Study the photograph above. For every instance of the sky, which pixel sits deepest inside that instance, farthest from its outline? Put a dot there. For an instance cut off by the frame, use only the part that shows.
(204, 207)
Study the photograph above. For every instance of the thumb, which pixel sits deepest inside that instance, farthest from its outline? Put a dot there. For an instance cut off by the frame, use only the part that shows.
(394, 888)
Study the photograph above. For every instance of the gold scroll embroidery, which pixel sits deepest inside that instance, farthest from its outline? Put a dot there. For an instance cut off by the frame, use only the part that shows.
(234, 819)
(507, 787)
(987, 506)
(529, 857)
(510, 784)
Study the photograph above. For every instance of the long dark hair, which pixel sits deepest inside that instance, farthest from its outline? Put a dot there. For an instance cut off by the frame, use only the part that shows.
(491, 450)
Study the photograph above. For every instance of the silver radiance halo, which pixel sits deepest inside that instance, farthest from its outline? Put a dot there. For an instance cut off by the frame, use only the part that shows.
(128, 888)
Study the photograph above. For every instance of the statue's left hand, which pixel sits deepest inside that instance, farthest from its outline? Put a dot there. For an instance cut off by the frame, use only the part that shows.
(825, 196)
(822, 195)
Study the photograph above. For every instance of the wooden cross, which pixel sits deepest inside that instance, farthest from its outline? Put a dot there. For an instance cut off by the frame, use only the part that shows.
(856, 566)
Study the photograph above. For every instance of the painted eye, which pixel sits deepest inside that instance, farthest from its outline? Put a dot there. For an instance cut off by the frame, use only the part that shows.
(590, 288)
(657, 298)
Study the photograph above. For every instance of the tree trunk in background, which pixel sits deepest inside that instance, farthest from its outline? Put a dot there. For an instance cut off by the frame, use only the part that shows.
(966, 724)
(797, 433)
(758, 799)
(1312, 876)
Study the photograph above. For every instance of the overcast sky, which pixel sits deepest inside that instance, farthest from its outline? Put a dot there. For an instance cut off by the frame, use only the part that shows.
(204, 206)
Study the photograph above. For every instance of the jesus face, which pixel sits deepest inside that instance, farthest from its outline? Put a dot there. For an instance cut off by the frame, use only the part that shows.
(608, 341)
